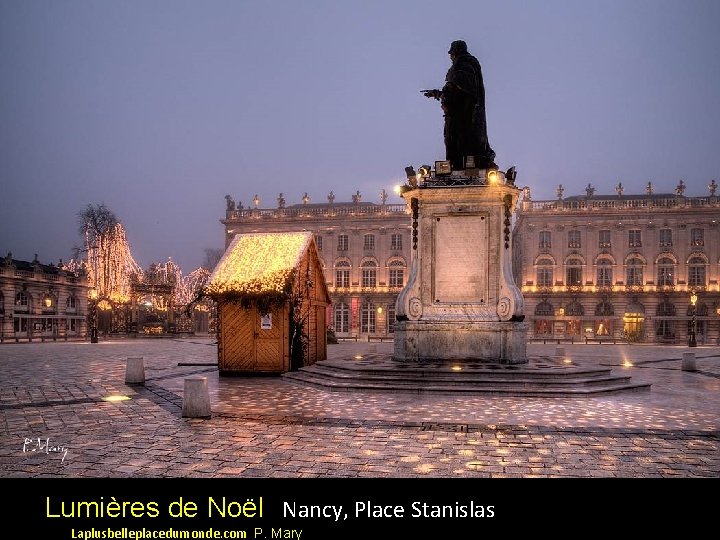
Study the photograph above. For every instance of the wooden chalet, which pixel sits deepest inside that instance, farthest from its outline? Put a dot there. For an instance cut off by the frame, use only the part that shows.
(271, 297)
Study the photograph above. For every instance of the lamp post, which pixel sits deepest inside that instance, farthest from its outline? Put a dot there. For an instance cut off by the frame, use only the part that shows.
(692, 342)
(93, 315)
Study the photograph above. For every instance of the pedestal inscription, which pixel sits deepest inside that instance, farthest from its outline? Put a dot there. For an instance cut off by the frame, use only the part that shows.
(461, 274)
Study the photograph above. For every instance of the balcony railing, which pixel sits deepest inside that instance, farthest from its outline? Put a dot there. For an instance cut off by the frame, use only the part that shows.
(317, 211)
(620, 203)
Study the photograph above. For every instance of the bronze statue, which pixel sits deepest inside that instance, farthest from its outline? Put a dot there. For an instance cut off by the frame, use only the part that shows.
(463, 104)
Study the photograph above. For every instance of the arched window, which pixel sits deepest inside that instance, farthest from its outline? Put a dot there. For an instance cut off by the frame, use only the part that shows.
(396, 273)
(545, 272)
(701, 309)
(342, 274)
(696, 272)
(634, 271)
(70, 304)
(665, 309)
(369, 273)
(604, 309)
(544, 308)
(666, 272)
(604, 273)
(574, 272)
(575, 308)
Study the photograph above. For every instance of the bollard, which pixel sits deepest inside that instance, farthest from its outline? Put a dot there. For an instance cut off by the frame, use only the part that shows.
(196, 398)
(560, 351)
(688, 362)
(135, 371)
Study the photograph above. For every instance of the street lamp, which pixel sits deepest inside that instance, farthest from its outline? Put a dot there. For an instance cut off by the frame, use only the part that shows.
(692, 342)
(93, 315)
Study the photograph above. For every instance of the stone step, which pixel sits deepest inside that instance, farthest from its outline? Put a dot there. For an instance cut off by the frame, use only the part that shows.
(517, 390)
(445, 373)
(474, 380)
(540, 377)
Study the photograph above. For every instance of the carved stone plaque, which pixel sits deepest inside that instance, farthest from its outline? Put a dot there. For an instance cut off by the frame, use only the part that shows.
(461, 259)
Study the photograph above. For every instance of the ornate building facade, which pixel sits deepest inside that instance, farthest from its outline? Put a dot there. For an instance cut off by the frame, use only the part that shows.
(620, 267)
(364, 249)
(41, 301)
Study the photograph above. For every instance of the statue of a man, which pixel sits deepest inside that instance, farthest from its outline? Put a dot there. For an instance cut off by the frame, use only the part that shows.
(463, 104)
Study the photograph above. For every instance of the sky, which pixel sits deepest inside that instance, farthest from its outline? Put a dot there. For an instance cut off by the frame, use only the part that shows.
(160, 108)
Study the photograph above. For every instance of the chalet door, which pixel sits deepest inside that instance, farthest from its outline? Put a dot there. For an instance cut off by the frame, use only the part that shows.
(270, 341)
(251, 343)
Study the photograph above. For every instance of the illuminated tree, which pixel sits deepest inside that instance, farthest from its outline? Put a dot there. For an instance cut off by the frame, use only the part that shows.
(110, 264)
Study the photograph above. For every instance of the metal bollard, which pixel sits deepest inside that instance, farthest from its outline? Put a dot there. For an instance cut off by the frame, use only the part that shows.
(196, 398)
(135, 371)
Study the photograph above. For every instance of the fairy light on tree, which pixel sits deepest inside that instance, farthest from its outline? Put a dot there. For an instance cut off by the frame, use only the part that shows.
(110, 264)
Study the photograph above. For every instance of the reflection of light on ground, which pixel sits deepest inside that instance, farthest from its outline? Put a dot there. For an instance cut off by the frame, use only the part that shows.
(567, 360)
(370, 452)
(456, 368)
(424, 468)
(410, 459)
(358, 357)
(626, 361)
(474, 464)
(115, 398)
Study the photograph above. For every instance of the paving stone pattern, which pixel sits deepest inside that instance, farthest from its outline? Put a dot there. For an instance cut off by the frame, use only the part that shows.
(270, 427)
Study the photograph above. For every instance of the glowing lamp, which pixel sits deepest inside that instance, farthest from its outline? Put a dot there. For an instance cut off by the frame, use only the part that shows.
(693, 298)
(493, 177)
(379, 310)
(93, 294)
(48, 301)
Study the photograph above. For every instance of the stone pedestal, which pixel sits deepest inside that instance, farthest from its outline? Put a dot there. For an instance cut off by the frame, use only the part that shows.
(461, 301)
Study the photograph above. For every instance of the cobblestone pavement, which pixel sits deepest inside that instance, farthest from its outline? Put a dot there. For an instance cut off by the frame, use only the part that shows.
(56, 420)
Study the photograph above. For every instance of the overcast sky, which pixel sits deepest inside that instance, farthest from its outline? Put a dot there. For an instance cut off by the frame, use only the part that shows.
(160, 108)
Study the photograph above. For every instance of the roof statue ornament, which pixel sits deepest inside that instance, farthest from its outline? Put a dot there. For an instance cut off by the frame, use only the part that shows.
(559, 191)
(383, 196)
(256, 201)
(331, 197)
(680, 189)
(649, 188)
(511, 175)
(281, 201)
(590, 191)
(357, 198)
(712, 187)
(619, 189)
(462, 100)
(229, 203)
(306, 198)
